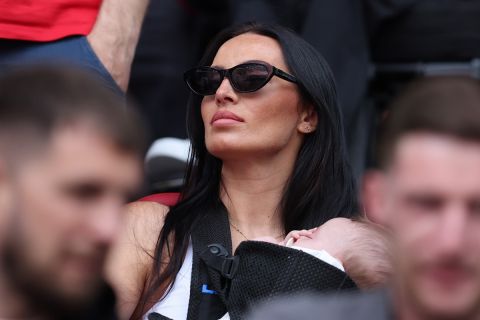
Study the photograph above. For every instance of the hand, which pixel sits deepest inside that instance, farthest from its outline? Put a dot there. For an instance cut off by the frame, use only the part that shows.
(335, 236)
(294, 235)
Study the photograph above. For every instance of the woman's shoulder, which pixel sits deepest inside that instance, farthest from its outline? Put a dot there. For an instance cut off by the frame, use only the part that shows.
(130, 258)
(146, 214)
(144, 221)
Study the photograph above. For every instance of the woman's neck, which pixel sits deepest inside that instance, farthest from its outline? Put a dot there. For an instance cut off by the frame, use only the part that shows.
(252, 192)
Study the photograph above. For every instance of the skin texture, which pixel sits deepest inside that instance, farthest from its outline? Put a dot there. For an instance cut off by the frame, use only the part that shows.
(115, 36)
(68, 209)
(430, 197)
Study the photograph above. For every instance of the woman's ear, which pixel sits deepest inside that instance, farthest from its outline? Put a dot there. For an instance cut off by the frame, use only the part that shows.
(308, 120)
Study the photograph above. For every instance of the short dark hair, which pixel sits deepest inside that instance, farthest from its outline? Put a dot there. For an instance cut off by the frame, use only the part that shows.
(445, 105)
(36, 101)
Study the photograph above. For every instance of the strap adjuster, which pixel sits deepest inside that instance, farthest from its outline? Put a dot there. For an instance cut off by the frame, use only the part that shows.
(229, 267)
(218, 258)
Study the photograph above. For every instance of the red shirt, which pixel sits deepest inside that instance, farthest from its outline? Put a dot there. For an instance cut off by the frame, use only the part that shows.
(46, 20)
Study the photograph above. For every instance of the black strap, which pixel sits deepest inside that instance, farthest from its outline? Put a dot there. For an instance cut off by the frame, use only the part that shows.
(205, 302)
(157, 316)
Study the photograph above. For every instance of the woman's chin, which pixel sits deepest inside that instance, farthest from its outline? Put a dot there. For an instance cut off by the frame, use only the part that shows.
(242, 152)
(230, 153)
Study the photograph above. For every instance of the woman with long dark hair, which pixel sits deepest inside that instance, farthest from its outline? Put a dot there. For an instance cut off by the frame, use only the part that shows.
(267, 157)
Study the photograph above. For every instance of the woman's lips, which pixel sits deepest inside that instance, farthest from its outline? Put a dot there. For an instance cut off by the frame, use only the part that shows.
(225, 118)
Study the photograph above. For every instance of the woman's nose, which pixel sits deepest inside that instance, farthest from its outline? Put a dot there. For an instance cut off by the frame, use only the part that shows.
(225, 93)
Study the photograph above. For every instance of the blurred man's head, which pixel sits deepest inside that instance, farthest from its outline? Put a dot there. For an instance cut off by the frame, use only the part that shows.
(70, 155)
(428, 193)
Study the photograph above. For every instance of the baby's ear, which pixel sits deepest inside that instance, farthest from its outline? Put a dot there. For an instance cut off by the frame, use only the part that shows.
(372, 195)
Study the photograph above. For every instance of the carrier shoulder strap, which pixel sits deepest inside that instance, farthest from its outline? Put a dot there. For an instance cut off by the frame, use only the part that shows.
(206, 303)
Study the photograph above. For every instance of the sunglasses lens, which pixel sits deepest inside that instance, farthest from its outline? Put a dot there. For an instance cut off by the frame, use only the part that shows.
(250, 77)
(203, 81)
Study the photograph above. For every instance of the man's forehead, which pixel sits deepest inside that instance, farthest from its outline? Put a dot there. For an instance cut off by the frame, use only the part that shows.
(25, 144)
(429, 148)
(22, 146)
(76, 157)
(76, 146)
(85, 146)
(432, 159)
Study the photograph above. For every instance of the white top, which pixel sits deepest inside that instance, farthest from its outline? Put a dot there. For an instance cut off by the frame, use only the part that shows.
(175, 304)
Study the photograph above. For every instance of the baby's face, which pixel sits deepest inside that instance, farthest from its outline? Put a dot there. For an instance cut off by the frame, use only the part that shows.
(334, 236)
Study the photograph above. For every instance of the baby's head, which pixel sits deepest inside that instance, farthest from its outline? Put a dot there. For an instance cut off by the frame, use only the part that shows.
(369, 259)
(363, 248)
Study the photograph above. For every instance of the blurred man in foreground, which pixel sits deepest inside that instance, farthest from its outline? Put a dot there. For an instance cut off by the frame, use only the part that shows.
(427, 192)
(70, 155)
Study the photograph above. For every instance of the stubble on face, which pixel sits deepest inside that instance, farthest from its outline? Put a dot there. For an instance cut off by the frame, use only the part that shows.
(432, 187)
(66, 215)
(43, 288)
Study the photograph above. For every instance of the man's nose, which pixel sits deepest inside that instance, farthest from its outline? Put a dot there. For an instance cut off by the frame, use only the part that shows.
(453, 229)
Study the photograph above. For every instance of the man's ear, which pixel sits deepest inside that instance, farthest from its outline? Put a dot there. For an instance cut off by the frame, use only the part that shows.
(5, 196)
(308, 120)
(5, 185)
(373, 196)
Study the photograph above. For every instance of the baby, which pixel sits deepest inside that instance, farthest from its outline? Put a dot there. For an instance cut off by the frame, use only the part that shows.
(360, 248)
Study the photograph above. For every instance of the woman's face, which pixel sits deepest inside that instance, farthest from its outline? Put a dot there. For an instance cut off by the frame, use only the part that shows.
(265, 122)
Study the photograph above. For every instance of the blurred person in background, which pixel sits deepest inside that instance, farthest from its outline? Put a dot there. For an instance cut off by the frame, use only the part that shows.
(70, 156)
(99, 35)
(427, 191)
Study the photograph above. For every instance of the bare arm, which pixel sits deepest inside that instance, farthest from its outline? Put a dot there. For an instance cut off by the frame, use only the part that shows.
(115, 36)
(130, 259)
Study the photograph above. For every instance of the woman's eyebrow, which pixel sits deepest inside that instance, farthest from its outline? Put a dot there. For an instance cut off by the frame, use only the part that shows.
(254, 61)
(243, 62)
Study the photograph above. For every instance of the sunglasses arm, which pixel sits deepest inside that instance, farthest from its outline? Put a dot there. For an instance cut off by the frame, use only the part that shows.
(285, 76)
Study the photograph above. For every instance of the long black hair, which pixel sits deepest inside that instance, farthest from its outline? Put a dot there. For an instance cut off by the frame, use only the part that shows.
(320, 187)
